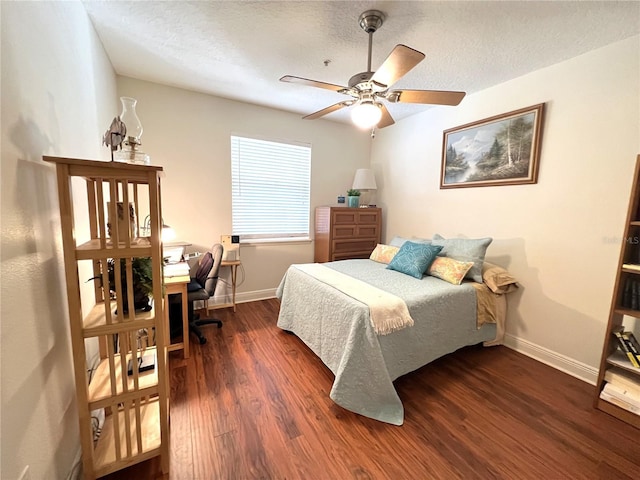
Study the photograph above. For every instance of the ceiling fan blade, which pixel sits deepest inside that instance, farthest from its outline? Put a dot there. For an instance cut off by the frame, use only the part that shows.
(400, 61)
(431, 97)
(325, 111)
(312, 83)
(386, 119)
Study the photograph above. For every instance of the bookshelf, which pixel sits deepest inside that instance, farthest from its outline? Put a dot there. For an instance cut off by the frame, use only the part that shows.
(617, 373)
(133, 401)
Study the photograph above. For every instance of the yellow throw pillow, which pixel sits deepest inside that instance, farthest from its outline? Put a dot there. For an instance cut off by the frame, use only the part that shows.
(449, 270)
(383, 253)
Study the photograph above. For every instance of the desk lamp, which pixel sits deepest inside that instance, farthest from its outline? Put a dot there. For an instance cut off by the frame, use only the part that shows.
(168, 233)
(365, 181)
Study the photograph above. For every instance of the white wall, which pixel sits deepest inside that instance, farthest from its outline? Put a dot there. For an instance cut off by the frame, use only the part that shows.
(58, 96)
(560, 237)
(189, 133)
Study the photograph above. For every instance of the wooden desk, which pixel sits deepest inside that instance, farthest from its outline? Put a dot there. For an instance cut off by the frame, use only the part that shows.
(177, 285)
(233, 265)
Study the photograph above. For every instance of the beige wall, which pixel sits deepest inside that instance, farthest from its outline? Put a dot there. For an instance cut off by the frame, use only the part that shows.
(189, 133)
(58, 96)
(560, 237)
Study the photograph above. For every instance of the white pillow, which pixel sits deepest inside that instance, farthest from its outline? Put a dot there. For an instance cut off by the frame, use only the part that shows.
(399, 241)
(465, 250)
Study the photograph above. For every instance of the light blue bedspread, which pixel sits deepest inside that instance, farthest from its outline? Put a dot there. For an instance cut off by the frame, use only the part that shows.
(336, 327)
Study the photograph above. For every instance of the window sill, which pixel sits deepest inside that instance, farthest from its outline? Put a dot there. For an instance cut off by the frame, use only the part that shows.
(274, 241)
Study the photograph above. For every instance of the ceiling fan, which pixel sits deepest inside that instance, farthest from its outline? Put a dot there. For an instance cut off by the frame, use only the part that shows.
(368, 88)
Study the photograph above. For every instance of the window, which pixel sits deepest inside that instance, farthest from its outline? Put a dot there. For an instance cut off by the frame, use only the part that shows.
(270, 188)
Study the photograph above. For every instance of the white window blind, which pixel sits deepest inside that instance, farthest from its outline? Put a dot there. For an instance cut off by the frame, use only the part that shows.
(270, 187)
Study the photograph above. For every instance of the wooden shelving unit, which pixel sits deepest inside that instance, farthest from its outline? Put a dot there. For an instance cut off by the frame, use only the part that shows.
(622, 305)
(136, 404)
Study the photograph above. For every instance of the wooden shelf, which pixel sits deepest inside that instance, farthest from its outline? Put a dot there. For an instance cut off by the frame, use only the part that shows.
(95, 324)
(619, 359)
(100, 386)
(97, 249)
(631, 268)
(628, 312)
(105, 458)
(612, 357)
(136, 427)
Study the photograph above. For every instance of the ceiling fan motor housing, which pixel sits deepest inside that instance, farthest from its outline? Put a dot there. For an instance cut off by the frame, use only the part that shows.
(358, 78)
(371, 20)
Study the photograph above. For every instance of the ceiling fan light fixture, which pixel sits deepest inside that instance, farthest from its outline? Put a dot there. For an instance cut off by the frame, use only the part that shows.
(366, 115)
(369, 89)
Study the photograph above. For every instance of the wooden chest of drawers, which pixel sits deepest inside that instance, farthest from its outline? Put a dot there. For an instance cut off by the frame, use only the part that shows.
(342, 232)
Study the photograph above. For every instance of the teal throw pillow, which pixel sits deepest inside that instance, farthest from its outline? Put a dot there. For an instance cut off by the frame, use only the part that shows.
(465, 250)
(414, 258)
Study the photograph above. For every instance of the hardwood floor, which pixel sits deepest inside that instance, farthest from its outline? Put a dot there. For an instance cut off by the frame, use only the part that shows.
(253, 403)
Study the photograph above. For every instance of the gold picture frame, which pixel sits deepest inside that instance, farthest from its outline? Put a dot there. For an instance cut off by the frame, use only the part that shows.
(500, 150)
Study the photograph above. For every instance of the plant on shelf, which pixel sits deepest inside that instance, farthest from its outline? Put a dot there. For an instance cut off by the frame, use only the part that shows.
(142, 282)
(354, 198)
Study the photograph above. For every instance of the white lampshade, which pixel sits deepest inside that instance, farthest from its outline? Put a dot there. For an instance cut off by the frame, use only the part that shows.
(366, 114)
(168, 233)
(364, 180)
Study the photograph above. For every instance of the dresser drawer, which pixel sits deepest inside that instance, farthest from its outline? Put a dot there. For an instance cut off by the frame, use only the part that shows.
(354, 245)
(341, 217)
(364, 216)
(345, 231)
(363, 231)
(350, 255)
(355, 231)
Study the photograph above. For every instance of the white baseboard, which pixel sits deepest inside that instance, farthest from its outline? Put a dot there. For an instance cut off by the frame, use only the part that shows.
(556, 360)
(245, 296)
(256, 295)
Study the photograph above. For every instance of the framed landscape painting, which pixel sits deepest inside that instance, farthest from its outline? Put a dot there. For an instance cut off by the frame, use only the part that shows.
(501, 150)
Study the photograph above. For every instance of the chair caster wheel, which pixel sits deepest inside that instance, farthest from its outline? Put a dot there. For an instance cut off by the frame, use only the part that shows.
(203, 341)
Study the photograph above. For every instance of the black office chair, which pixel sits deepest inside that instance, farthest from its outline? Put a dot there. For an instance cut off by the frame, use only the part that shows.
(204, 278)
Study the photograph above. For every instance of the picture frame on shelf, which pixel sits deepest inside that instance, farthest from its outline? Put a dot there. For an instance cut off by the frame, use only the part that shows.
(500, 150)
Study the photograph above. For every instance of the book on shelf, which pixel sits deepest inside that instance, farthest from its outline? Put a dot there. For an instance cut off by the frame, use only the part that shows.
(622, 394)
(623, 379)
(631, 293)
(632, 343)
(620, 403)
(180, 269)
(631, 266)
(619, 333)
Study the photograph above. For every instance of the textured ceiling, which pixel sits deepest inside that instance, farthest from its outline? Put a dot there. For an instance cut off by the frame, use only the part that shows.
(240, 49)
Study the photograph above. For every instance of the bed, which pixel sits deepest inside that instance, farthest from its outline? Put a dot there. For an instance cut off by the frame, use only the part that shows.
(338, 329)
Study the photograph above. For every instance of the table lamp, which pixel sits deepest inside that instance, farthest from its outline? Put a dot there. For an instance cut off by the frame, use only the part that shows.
(168, 234)
(365, 181)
